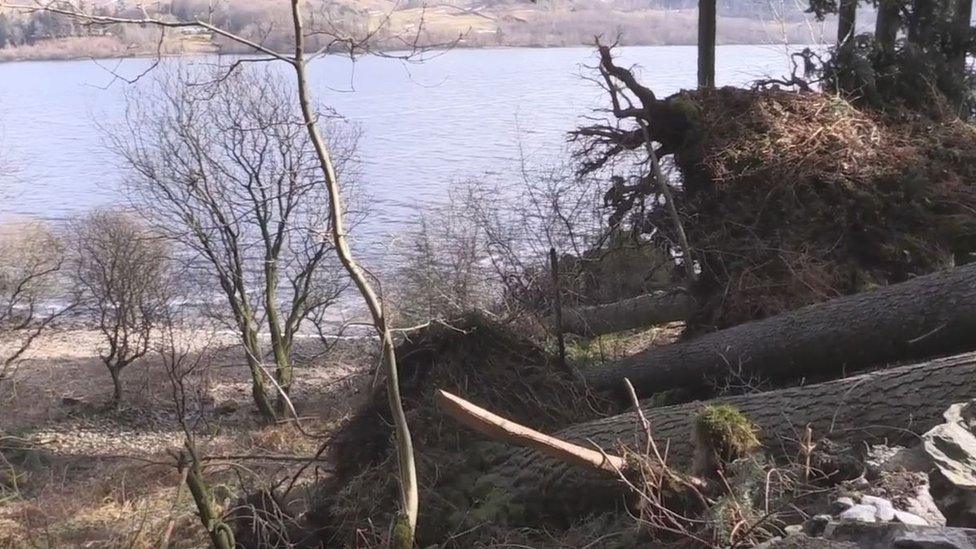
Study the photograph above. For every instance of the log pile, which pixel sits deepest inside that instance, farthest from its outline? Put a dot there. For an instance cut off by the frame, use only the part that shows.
(521, 469)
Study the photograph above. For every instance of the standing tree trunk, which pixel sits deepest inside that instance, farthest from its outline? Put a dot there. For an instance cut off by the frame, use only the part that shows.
(406, 526)
(283, 367)
(252, 355)
(116, 386)
(886, 27)
(892, 405)
(557, 307)
(962, 33)
(926, 316)
(707, 15)
(846, 19)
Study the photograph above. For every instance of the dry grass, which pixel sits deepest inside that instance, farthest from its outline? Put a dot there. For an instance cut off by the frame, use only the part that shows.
(92, 477)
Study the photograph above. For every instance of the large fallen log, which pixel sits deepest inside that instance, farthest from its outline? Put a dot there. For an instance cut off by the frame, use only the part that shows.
(892, 405)
(626, 314)
(928, 316)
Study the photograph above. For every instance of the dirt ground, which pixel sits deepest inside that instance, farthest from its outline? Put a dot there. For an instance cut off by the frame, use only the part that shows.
(79, 473)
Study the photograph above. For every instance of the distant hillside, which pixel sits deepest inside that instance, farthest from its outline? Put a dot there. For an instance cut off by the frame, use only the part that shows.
(466, 23)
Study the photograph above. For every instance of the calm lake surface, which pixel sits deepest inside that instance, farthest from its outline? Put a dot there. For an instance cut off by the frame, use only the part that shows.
(462, 115)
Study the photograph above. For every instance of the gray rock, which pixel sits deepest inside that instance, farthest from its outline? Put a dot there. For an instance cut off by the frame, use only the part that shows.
(861, 513)
(885, 510)
(942, 538)
(801, 541)
(842, 504)
(905, 517)
(793, 529)
(877, 458)
(952, 445)
(910, 491)
(912, 459)
(816, 525)
(902, 536)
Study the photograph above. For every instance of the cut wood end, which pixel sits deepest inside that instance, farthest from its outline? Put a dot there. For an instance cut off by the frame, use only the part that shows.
(496, 427)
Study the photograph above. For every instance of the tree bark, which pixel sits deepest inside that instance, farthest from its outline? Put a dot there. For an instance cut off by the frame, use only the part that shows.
(961, 32)
(928, 316)
(221, 536)
(846, 18)
(252, 355)
(405, 529)
(706, 43)
(886, 26)
(892, 405)
(627, 314)
(116, 386)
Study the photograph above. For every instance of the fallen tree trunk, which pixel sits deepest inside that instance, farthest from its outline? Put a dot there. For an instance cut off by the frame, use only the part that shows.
(928, 316)
(627, 314)
(892, 405)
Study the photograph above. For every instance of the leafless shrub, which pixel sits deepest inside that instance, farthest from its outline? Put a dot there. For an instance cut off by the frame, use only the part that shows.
(31, 257)
(736, 502)
(221, 162)
(549, 209)
(443, 266)
(124, 281)
(487, 247)
(185, 350)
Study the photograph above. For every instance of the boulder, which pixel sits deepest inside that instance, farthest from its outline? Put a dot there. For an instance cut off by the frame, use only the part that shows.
(951, 449)
(952, 446)
(901, 536)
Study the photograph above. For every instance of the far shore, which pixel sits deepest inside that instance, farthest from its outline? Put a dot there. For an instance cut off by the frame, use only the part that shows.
(107, 48)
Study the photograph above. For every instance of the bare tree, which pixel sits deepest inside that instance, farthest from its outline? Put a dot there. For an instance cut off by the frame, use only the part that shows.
(31, 257)
(223, 163)
(185, 349)
(488, 247)
(550, 208)
(330, 36)
(123, 276)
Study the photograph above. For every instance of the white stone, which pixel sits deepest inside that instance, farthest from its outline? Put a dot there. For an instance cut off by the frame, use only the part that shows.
(905, 517)
(885, 510)
(861, 513)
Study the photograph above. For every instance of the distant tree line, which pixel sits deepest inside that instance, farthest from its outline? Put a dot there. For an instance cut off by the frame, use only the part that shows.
(267, 22)
(917, 52)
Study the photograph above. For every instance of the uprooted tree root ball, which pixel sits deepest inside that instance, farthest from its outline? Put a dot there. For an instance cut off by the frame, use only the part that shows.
(799, 197)
(790, 198)
(489, 364)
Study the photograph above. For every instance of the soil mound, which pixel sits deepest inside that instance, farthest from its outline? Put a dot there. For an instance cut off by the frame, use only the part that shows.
(487, 363)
